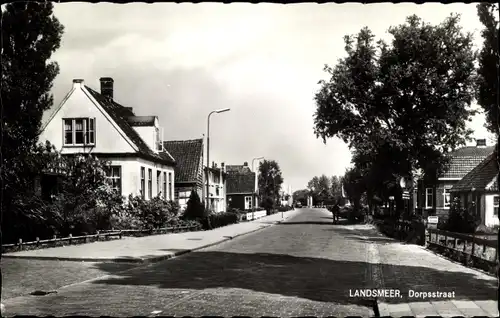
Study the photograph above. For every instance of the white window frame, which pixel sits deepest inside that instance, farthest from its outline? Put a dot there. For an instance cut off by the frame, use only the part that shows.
(446, 191)
(495, 206)
(158, 183)
(249, 202)
(170, 186)
(89, 135)
(150, 183)
(165, 186)
(115, 178)
(427, 206)
(143, 182)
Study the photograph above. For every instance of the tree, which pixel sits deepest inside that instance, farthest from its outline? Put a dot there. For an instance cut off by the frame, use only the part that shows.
(354, 186)
(270, 179)
(489, 65)
(301, 196)
(411, 97)
(195, 208)
(336, 188)
(30, 34)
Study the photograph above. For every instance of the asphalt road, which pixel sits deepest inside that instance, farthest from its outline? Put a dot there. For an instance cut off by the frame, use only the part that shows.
(304, 267)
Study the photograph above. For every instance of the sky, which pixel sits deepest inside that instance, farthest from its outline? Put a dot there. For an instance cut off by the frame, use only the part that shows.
(263, 61)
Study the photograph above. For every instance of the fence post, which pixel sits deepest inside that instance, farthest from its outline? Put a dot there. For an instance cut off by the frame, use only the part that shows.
(37, 241)
(97, 236)
(446, 240)
(121, 234)
(20, 243)
(70, 238)
(454, 242)
(54, 237)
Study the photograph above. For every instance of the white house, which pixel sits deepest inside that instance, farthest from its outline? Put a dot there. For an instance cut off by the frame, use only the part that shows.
(480, 186)
(90, 122)
(216, 187)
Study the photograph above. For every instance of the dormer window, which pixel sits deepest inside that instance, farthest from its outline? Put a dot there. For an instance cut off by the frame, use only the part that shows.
(79, 131)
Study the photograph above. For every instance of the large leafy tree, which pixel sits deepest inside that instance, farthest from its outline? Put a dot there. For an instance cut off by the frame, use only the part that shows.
(410, 96)
(301, 196)
(270, 179)
(489, 65)
(30, 35)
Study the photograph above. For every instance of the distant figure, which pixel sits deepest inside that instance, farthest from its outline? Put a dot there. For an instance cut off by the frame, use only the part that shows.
(335, 212)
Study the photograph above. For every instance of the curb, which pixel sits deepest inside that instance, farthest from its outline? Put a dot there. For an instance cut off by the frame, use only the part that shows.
(137, 260)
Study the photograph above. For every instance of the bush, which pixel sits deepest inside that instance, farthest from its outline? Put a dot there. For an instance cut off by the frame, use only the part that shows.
(284, 208)
(195, 209)
(223, 219)
(140, 214)
(462, 219)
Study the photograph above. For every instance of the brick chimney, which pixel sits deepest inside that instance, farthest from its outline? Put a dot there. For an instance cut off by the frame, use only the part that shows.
(480, 142)
(77, 82)
(245, 164)
(107, 87)
(222, 166)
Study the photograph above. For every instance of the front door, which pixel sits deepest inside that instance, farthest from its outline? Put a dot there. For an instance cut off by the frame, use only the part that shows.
(248, 202)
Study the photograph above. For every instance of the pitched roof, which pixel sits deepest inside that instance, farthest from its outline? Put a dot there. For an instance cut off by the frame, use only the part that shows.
(141, 120)
(238, 169)
(240, 183)
(484, 174)
(463, 160)
(119, 114)
(188, 154)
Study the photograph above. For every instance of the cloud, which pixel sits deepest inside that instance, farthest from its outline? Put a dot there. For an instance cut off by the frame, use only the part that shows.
(180, 61)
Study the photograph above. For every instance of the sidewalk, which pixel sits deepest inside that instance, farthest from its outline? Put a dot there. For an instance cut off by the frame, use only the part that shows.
(150, 248)
(408, 267)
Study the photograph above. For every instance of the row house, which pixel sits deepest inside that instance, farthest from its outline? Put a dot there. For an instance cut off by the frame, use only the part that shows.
(434, 192)
(241, 190)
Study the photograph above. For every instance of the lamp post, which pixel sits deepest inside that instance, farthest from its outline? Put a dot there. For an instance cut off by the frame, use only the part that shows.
(255, 181)
(208, 149)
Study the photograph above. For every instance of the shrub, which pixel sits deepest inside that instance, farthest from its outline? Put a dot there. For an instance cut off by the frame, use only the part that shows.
(150, 214)
(223, 219)
(195, 209)
(268, 204)
(462, 219)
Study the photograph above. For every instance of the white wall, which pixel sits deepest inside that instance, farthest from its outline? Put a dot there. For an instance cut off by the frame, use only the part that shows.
(148, 134)
(107, 138)
(131, 175)
(490, 219)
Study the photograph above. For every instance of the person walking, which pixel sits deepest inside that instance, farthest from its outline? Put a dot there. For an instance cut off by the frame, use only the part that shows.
(335, 212)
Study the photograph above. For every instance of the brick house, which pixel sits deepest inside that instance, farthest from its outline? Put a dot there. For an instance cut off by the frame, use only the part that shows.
(189, 169)
(480, 186)
(433, 193)
(91, 122)
(240, 189)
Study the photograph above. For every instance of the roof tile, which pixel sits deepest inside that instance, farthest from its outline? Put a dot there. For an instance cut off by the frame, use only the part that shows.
(465, 159)
(240, 183)
(479, 177)
(119, 115)
(188, 154)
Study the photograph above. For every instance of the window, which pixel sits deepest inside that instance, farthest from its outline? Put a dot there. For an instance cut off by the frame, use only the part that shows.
(495, 204)
(150, 183)
(446, 198)
(165, 186)
(158, 182)
(170, 185)
(114, 175)
(143, 182)
(429, 197)
(79, 131)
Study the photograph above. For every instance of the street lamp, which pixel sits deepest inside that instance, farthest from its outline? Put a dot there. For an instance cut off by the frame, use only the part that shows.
(208, 148)
(255, 181)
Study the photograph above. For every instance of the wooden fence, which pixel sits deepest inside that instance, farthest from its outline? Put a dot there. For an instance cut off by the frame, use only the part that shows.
(472, 250)
(101, 235)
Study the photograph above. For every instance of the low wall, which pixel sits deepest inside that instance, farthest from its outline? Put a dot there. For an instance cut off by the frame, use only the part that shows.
(249, 216)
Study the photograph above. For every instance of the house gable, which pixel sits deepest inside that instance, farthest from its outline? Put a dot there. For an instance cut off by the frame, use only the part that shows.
(79, 104)
(481, 178)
